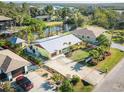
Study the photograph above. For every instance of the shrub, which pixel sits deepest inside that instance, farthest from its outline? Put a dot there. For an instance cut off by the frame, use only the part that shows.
(75, 80)
(66, 86)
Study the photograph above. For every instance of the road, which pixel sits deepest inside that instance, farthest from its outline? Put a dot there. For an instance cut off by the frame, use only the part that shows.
(118, 46)
(114, 81)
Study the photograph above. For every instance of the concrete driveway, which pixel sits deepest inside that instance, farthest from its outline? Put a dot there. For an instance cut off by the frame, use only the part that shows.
(65, 66)
(39, 82)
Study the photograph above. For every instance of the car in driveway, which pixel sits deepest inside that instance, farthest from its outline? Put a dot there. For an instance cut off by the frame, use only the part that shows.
(24, 83)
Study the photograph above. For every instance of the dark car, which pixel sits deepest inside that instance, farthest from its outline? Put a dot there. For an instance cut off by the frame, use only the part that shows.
(24, 82)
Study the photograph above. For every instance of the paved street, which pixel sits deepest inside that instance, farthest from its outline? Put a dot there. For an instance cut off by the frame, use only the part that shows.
(65, 66)
(114, 81)
(118, 46)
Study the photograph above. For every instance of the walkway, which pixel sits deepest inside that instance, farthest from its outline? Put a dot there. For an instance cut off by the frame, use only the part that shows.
(114, 81)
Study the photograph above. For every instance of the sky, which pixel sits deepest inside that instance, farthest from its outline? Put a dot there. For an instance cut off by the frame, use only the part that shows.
(70, 1)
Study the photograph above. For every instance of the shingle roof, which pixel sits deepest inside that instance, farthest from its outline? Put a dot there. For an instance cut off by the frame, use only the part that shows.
(3, 18)
(10, 61)
(16, 40)
(92, 31)
(58, 43)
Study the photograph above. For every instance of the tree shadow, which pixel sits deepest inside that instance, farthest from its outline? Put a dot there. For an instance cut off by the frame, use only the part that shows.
(47, 86)
(77, 67)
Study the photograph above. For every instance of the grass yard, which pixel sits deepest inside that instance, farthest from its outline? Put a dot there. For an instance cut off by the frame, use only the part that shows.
(79, 55)
(111, 61)
(42, 51)
(80, 87)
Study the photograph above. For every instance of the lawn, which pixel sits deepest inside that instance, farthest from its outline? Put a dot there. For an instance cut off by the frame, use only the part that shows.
(42, 51)
(80, 87)
(79, 55)
(111, 61)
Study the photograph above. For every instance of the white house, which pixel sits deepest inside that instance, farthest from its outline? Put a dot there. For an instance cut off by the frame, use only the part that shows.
(57, 44)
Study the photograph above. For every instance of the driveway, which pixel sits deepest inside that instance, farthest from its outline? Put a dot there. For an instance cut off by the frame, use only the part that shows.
(114, 81)
(118, 46)
(65, 66)
(40, 83)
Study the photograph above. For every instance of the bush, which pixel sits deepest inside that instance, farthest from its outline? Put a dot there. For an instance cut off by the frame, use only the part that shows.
(66, 86)
(75, 80)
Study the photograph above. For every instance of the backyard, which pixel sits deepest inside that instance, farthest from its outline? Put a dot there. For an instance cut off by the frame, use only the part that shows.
(110, 61)
(79, 55)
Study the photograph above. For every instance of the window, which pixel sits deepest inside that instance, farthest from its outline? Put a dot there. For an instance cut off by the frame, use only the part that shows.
(88, 37)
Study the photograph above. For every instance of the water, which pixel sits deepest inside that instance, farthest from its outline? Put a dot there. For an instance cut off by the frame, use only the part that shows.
(64, 28)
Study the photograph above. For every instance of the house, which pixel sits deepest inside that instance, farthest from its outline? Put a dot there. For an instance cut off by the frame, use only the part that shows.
(17, 41)
(11, 64)
(56, 45)
(89, 34)
(5, 23)
(43, 17)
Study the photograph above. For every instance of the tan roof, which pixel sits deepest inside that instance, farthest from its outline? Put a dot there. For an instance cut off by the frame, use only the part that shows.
(92, 31)
(10, 61)
(3, 18)
(96, 30)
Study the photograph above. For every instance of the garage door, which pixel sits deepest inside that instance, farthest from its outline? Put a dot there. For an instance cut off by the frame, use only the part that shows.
(18, 72)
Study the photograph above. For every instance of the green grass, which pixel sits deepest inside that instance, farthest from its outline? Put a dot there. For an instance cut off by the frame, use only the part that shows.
(80, 87)
(42, 51)
(111, 61)
(79, 55)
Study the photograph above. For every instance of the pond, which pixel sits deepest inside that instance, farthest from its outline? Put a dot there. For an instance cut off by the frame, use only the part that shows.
(64, 28)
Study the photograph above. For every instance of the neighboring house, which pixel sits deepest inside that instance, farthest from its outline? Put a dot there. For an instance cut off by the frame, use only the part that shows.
(57, 44)
(17, 41)
(43, 17)
(5, 23)
(89, 34)
(11, 64)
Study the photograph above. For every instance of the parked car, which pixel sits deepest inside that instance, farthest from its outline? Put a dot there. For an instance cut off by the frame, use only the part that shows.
(24, 82)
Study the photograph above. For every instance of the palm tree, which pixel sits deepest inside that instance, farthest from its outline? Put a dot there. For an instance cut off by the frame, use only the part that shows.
(95, 54)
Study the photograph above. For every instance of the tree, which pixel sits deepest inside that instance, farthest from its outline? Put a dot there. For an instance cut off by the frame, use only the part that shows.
(2, 42)
(66, 86)
(34, 11)
(95, 54)
(7, 87)
(57, 78)
(104, 41)
(49, 9)
(75, 80)
(25, 8)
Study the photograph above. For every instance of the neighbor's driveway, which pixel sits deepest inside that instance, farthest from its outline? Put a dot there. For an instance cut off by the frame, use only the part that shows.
(39, 82)
(65, 66)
